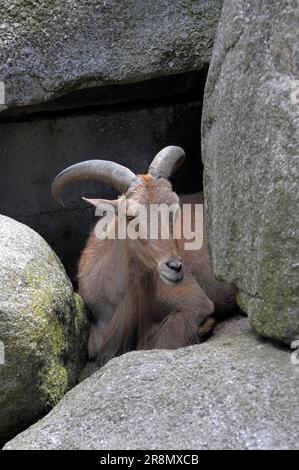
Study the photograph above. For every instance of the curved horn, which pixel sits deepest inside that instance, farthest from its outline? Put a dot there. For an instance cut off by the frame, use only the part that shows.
(167, 162)
(112, 173)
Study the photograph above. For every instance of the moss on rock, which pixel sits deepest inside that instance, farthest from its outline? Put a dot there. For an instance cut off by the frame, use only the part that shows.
(43, 326)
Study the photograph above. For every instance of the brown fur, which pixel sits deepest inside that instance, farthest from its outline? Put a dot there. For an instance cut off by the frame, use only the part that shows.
(131, 307)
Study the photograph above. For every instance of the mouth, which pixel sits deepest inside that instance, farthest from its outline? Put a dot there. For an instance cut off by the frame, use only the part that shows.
(171, 280)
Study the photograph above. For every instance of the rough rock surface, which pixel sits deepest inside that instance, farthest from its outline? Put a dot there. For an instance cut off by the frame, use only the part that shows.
(42, 325)
(51, 48)
(250, 149)
(231, 326)
(237, 394)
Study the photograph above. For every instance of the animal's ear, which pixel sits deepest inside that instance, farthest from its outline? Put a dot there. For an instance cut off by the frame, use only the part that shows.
(101, 202)
(94, 202)
(104, 205)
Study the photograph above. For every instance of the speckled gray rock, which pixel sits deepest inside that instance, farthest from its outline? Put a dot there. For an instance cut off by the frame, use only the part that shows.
(231, 326)
(51, 48)
(250, 137)
(42, 325)
(236, 395)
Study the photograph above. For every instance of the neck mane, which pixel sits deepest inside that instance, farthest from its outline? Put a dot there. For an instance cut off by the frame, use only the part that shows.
(142, 287)
(130, 323)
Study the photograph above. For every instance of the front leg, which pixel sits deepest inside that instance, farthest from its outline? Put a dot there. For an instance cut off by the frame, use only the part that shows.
(99, 323)
(206, 327)
(189, 306)
(95, 342)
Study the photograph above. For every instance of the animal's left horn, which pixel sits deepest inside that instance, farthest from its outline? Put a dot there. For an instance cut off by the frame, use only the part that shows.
(167, 162)
(112, 173)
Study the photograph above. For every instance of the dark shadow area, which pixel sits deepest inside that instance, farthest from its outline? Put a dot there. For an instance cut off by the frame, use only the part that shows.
(164, 90)
(127, 124)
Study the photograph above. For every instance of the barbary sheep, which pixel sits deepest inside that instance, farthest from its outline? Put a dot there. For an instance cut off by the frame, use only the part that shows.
(145, 292)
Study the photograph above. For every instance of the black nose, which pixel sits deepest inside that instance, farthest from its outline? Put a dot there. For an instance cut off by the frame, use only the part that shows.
(175, 265)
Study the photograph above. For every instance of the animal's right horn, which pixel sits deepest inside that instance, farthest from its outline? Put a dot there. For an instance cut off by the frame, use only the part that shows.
(167, 162)
(112, 173)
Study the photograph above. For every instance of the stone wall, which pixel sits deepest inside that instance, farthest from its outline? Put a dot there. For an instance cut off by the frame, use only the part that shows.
(250, 137)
